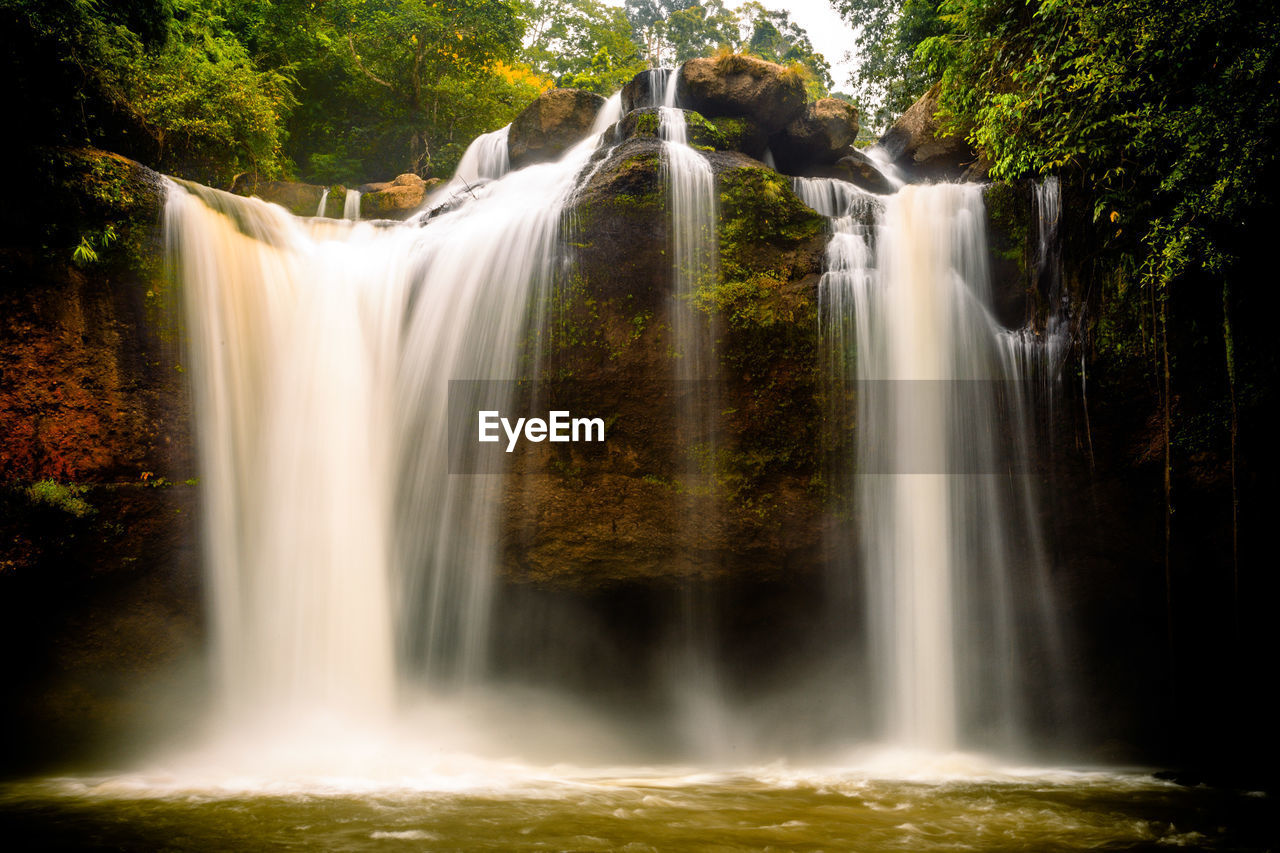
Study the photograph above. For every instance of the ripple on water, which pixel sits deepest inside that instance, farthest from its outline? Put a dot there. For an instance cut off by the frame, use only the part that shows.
(638, 809)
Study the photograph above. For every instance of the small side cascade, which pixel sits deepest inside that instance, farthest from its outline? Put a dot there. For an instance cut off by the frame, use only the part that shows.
(324, 199)
(351, 205)
(486, 159)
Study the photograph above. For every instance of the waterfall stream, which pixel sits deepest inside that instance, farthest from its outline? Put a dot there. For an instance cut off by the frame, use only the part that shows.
(351, 205)
(948, 529)
(321, 352)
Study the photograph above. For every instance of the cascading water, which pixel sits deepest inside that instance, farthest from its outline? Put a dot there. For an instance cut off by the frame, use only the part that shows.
(486, 159)
(321, 352)
(947, 529)
(392, 312)
(692, 216)
(324, 199)
(351, 205)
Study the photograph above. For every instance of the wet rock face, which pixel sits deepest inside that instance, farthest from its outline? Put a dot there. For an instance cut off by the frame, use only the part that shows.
(820, 137)
(639, 508)
(99, 564)
(91, 385)
(918, 147)
(297, 198)
(742, 86)
(858, 169)
(552, 124)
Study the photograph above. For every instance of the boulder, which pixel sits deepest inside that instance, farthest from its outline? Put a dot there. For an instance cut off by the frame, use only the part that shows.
(742, 133)
(819, 137)
(735, 85)
(645, 89)
(858, 169)
(641, 510)
(397, 199)
(920, 149)
(298, 198)
(552, 124)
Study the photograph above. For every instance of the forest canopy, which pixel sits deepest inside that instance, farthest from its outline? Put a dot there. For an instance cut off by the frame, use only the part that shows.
(344, 90)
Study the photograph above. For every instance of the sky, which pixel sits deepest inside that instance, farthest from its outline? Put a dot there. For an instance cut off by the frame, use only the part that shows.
(828, 32)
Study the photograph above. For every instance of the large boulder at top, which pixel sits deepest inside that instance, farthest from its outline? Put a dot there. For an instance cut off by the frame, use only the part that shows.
(645, 89)
(819, 137)
(917, 146)
(735, 85)
(551, 125)
(397, 199)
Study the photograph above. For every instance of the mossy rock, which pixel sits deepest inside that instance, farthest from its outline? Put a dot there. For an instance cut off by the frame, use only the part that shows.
(646, 122)
(741, 133)
(760, 214)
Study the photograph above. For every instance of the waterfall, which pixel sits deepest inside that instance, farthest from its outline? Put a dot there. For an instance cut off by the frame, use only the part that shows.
(949, 544)
(662, 87)
(694, 252)
(321, 352)
(324, 199)
(351, 205)
(486, 158)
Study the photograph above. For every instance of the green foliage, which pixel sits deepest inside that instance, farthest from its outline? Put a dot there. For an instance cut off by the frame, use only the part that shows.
(890, 75)
(164, 81)
(584, 44)
(64, 498)
(1166, 111)
(211, 110)
(404, 85)
(673, 31)
(86, 251)
(774, 36)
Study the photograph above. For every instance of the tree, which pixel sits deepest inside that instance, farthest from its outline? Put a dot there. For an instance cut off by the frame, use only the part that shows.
(890, 75)
(774, 36)
(675, 31)
(581, 43)
(431, 68)
(164, 81)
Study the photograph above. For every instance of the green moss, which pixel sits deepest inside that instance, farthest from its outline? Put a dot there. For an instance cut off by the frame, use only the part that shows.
(758, 207)
(738, 133)
(769, 348)
(64, 498)
(647, 124)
